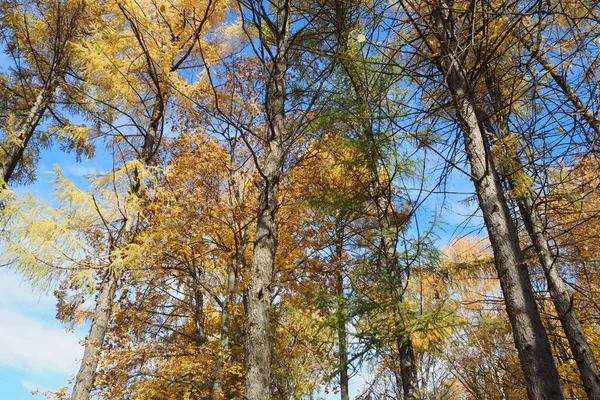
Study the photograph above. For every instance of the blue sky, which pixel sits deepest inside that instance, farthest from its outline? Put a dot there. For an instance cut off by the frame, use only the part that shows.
(36, 351)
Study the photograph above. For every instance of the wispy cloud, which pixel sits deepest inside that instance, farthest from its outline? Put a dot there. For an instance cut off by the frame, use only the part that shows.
(35, 346)
(16, 292)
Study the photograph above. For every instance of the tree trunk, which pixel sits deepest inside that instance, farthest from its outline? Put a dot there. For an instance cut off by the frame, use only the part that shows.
(389, 241)
(341, 314)
(89, 364)
(584, 357)
(13, 152)
(557, 288)
(217, 387)
(564, 86)
(530, 336)
(199, 314)
(257, 324)
(103, 310)
(382, 198)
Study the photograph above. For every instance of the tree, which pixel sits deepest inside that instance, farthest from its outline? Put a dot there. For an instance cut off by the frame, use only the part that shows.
(443, 37)
(39, 40)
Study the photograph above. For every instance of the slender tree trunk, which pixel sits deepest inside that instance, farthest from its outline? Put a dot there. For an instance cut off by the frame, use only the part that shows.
(382, 196)
(13, 151)
(199, 315)
(217, 387)
(89, 364)
(563, 84)
(257, 324)
(557, 288)
(530, 336)
(341, 314)
(584, 357)
(389, 241)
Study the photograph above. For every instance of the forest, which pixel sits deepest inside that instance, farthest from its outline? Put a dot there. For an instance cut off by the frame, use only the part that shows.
(278, 218)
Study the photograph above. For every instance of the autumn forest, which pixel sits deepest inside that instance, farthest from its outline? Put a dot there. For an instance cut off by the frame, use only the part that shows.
(275, 221)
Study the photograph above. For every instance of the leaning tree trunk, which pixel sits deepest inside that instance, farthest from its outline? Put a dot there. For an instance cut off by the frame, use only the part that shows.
(530, 336)
(86, 375)
(13, 152)
(563, 84)
(257, 324)
(582, 353)
(584, 357)
(100, 321)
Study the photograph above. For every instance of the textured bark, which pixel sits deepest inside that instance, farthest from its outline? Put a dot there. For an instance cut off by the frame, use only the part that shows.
(84, 381)
(91, 356)
(217, 386)
(13, 152)
(557, 288)
(381, 192)
(257, 324)
(389, 239)
(530, 336)
(65, 23)
(199, 315)
(584, 357)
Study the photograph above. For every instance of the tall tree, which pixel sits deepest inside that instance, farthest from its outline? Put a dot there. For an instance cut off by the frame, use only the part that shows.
(440, 30)
(273, 27)
(39, 41)
(370, 86)
(515, 175)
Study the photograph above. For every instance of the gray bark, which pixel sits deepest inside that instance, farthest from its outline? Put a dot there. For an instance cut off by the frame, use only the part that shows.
(557, 288)
(382, 198)
(257, 324)
(84, 380)
(389, 240)
(236, 263)
(13, 151)
(564, 86)
(86, 375)
(199, 314)
(342, 331)
(584, 357)
(530, 336)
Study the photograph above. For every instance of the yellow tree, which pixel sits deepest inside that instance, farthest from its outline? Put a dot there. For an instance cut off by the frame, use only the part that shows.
(40, 38)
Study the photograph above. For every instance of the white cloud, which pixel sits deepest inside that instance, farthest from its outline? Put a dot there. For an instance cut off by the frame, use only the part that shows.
(14, 291)
(32, 345)
(80, 169)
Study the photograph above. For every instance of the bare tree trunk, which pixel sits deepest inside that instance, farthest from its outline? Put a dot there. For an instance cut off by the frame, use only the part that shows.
(389, 241)
(66, 26)
(89, 363)
(530, 336)
(217, 387)
(199, 314)
(13, 151)
(341, 314)
(93, 345)
(382, 197)
(557, 288)
(257, 324)
(562, 83)
(584, 357)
